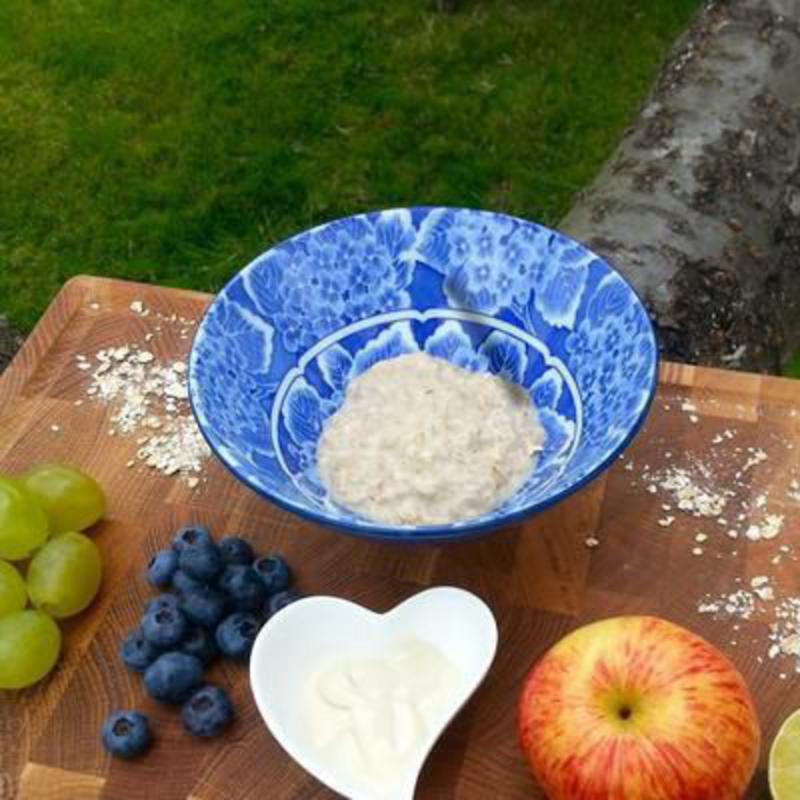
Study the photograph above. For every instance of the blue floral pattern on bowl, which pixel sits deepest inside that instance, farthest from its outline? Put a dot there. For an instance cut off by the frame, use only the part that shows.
(274, 354)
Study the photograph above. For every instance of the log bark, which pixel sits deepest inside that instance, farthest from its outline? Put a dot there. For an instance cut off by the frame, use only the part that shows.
(10, 342)
(699, 207)
(787, 261)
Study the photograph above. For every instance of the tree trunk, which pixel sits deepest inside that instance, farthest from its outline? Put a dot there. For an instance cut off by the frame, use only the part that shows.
(787, 261)
(699, 207)
(10, 342)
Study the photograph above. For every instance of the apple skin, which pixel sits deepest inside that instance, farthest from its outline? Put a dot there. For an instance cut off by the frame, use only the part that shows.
(637, 708)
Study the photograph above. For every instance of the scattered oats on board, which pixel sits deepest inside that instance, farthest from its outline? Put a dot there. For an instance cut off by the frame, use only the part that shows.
(714, 481)
(148, 399)
(665, 522)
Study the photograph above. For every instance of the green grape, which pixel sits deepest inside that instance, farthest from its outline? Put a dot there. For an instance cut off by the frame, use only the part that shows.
(64, 576)
(13, 594)
(29, 646)
(71, 499)
(23, 524)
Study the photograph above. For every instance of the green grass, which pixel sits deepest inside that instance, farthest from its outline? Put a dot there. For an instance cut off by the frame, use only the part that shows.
(792, 369)
(173, 141)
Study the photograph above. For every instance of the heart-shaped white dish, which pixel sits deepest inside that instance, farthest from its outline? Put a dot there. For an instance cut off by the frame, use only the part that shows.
(295, 643)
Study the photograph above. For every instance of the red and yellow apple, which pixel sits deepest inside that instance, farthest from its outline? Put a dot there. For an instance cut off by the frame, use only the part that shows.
(637, 708)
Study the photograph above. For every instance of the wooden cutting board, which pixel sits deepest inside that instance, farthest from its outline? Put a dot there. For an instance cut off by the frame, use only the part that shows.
(540, 578)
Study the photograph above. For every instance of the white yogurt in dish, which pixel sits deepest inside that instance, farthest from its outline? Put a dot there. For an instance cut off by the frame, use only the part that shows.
(369, 716)
(419, 441)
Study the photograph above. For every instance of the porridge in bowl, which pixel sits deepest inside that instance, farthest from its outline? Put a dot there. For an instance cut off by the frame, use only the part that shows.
(419, 441)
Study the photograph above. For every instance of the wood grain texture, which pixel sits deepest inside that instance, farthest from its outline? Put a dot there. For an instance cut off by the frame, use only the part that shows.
(539, 577)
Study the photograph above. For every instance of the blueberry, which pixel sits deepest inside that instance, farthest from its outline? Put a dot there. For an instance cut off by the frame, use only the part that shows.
(184, 583)
(172, 676)
(190, 534)
(280, 600)
(201, 561)
(200, 643)
(161, 601)
(136, 652)
(243, 587)
(126, 734)
(274, 572)
(162, 567)
(204, 607)
(236, 550)
(164, 627)
(207, 712)
(236, 634)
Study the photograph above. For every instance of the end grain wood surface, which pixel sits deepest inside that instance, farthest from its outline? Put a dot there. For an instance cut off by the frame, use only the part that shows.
(540, 578)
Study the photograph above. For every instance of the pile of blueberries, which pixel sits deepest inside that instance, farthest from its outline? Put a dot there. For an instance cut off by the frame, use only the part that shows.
(221, 596)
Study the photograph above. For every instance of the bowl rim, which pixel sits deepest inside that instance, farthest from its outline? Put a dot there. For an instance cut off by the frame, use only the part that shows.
(425, 534)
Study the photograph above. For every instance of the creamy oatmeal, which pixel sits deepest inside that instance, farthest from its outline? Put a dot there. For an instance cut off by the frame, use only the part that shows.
(419, 441)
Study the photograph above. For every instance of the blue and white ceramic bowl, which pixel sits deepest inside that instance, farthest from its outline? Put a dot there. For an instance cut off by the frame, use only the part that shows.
(278, 346)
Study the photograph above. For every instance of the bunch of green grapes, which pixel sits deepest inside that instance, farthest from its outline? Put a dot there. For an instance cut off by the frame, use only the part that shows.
(41, 514)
